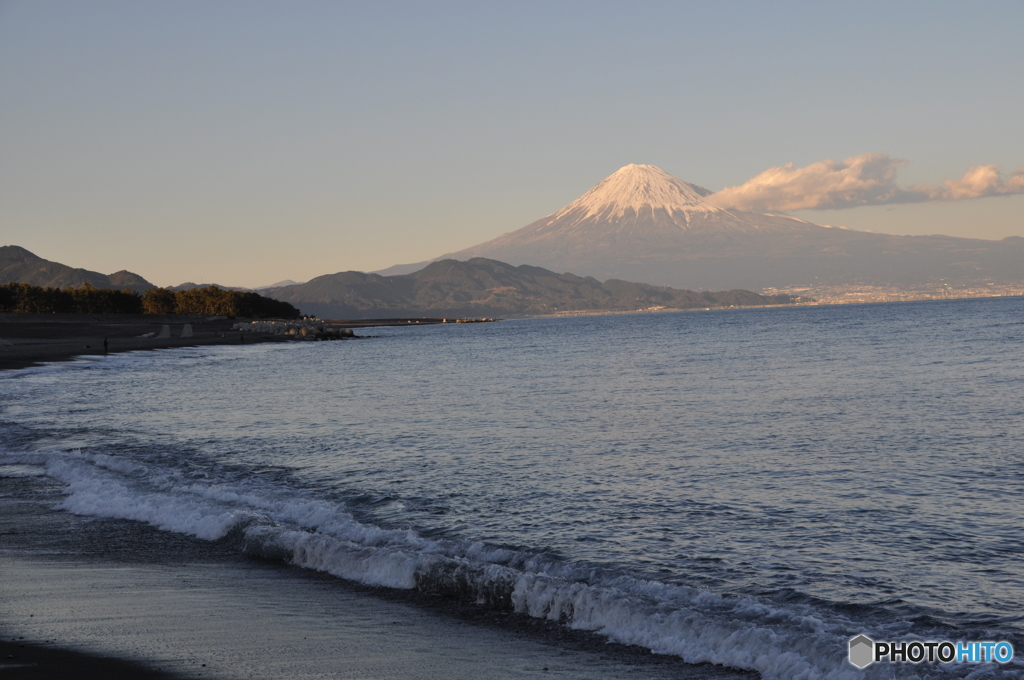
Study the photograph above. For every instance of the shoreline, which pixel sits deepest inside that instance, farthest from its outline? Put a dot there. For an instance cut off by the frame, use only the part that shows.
(158, 605)
(37, 338)
(28, 340)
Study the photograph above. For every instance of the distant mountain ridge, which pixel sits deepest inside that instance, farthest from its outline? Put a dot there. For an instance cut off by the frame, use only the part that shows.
(18, 265)
(280, 284)
(643, 224)
(481, 287)
(189, 285)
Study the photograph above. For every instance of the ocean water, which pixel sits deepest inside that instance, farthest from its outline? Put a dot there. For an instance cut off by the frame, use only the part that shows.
(744, 487)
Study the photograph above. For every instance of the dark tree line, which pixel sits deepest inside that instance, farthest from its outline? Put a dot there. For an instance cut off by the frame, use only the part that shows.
(216, 301)
(21, 297)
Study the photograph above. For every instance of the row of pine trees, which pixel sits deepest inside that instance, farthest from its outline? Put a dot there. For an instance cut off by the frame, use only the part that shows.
(212, 301)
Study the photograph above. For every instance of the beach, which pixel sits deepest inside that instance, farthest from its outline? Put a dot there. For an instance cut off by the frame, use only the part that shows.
(30, 339)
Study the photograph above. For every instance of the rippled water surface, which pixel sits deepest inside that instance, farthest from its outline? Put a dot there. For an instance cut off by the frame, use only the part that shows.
(739, 486)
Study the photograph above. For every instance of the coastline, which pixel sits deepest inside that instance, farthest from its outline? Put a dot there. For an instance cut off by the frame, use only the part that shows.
(31, 339)
(825, 301)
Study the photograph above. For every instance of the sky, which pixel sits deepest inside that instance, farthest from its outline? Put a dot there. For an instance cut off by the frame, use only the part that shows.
(244, 142)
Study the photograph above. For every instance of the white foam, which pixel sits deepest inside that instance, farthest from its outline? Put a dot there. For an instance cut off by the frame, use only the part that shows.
(695, 624)
(20, 470)
(391, 568)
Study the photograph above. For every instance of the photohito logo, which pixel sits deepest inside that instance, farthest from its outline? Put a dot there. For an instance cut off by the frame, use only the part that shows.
(864, 651)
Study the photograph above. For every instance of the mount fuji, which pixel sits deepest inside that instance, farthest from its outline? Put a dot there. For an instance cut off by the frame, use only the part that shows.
(643, 224)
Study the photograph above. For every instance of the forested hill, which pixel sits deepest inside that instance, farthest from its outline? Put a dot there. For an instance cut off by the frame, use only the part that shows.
(483, 287)
(21, 298)
(18, 265)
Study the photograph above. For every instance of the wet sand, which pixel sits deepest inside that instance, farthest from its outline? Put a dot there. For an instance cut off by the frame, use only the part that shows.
(19, 661)
(117, 598)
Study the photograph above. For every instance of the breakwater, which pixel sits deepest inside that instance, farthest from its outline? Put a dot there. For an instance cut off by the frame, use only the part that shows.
(308, 329)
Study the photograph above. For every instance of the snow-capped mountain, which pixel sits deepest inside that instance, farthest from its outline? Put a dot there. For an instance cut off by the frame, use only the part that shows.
(643, 224)
(634, 190)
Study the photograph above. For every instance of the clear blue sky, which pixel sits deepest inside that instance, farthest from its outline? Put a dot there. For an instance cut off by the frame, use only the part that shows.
(246, 142)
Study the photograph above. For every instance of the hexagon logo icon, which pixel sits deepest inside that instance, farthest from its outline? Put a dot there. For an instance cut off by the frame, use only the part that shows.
(862, 651)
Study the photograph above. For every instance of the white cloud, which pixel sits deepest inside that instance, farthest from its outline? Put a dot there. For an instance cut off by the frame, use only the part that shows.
(867, 179)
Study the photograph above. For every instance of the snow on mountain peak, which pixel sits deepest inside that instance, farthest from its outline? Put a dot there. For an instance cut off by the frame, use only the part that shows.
(635, 186)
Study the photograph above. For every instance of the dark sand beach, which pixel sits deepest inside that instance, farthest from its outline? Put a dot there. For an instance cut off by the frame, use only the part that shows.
(30, 339)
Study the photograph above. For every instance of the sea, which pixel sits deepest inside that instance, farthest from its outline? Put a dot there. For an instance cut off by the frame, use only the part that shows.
(746, 487)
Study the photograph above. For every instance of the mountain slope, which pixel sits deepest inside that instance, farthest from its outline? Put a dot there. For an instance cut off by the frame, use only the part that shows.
(642, 224)
(482, 287)
(21, 266)
(191, 285)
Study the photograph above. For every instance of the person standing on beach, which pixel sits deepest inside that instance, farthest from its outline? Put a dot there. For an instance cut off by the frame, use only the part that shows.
(104, 346)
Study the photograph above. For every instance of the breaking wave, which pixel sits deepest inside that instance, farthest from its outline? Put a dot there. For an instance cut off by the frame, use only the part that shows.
(792, 642)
